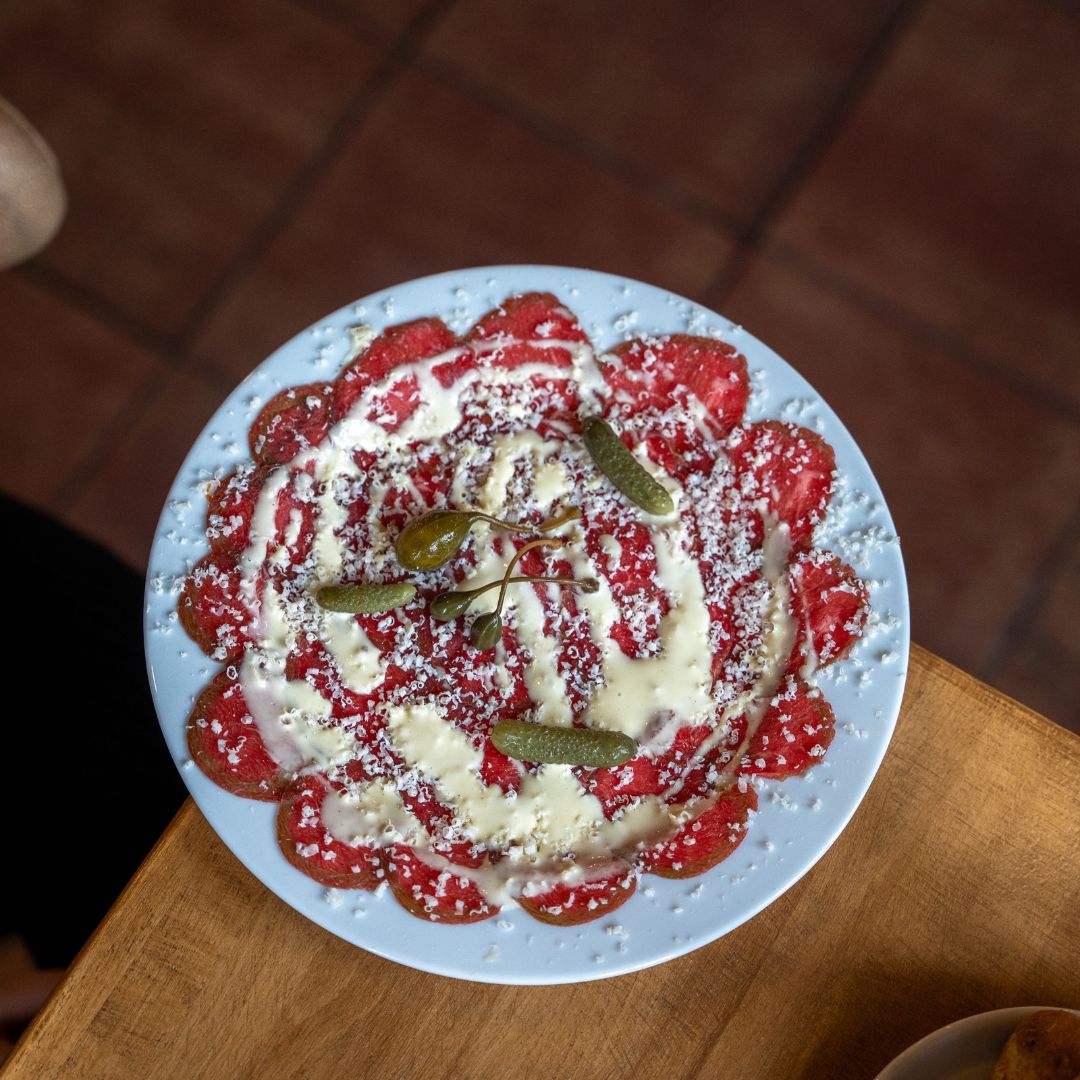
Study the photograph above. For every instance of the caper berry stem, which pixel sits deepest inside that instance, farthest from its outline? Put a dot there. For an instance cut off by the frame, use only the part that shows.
(434, 537)
(563, 517)
(450, 605)
(544, 541)
(486, 629)
(588, 584)
(479, 515)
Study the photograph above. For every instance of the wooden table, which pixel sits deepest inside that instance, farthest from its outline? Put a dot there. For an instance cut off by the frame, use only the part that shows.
(955, 889)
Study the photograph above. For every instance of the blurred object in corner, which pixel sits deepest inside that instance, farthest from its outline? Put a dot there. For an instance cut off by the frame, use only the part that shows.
(32, 199)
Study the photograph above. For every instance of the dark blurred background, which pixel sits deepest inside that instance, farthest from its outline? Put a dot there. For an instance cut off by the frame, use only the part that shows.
(887, 193)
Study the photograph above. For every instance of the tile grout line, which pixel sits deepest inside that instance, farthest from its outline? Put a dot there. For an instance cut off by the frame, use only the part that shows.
(70, 290)
(682, 202)
(392, 64)
(622, 169)
(813, 149)
(83, 471)
(685, 203)
(551, 131)
(357, 22)
(73, 293)
(1019, 623)
(175, 351)
(880, 307)
(407, 53)
(129, 415)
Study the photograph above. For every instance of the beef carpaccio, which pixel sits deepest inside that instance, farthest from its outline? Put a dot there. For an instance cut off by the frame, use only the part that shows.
(698, 640)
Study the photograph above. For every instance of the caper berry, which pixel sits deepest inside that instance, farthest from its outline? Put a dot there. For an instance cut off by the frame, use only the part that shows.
(562, 745)
(623, 469)
(556, 521)
(433, 538)
(486, 630)
(452, 605)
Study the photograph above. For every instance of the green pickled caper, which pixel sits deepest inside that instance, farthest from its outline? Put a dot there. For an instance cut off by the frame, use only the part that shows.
(623, 469)
(562, 745)
(452, 605)
(433, 538)
(365, 597)
(486, 630)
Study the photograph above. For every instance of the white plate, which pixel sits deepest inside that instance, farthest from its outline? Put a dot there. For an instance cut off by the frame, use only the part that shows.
(964, 1050)
(799, 818)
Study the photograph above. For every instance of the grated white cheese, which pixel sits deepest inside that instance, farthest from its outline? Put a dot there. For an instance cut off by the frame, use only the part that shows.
(635, 656)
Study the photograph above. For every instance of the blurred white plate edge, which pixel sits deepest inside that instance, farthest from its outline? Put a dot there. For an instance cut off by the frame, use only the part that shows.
(963, 1050)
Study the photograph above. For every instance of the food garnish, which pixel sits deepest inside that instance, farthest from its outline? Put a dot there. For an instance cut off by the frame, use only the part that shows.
(452, 605)
(486, 629)
(388, 763)
(563, 517)
(562, 745)
(623, 469)
(433, 538)
(365, 597)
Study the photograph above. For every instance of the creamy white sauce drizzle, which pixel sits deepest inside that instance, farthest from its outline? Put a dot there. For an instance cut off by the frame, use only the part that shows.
(353, 652)
(293, 718)
(548, 476)
(371, 815)
(771, 658)
(552, 829)
(677, 681)
(549, 817)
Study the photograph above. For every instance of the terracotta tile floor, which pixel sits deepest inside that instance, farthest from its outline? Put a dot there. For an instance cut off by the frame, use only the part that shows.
(898, 396)
(179, 125)
(425, 207)
(887, 192)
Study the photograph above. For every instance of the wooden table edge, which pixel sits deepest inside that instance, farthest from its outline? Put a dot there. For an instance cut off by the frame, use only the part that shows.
(921, 658)
(187, 812)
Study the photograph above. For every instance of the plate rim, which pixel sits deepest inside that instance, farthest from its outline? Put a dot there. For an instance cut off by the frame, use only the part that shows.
(1011, 1013)
(723, 925)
